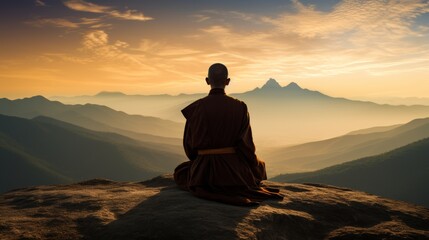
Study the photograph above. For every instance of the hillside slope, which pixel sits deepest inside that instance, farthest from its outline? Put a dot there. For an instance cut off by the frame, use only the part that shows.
(316, 155)
(95, 117)
(47, 151)
(400, 174)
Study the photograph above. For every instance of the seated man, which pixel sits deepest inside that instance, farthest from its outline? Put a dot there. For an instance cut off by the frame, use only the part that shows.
(218, 142)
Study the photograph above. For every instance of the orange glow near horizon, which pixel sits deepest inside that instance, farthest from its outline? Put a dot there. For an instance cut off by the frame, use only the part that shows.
(346, 50)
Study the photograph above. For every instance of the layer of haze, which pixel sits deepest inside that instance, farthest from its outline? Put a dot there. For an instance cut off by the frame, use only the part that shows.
(280, 115)
(356, 49)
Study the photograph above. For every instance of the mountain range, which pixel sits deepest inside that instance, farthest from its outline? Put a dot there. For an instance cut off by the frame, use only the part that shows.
(43, 150)
(279, 115)
(96, 117)
(401, 174)
(320, 154)
(46, 142)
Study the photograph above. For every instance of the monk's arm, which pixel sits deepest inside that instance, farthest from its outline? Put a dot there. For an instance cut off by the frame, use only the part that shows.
(191, 153)
(247, 148)
(245, 144)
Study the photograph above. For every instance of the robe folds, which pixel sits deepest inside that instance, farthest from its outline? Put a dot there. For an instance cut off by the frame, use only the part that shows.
(219, 121)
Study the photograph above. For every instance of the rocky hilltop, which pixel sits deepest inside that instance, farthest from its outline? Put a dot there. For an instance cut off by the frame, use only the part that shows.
(157, 209)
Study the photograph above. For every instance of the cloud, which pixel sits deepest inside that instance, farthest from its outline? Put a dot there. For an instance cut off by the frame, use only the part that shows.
(89, 21)
(95, 39)
(150, 59)
(226, 16)
(130, 15)
(97, 44)
(354, 36)
(62, 57)
(65, 23)
(40, 3)
(201, 17)
(100, 49)
(80, 5)
(391, 18)
(56, 22)
(83, 6)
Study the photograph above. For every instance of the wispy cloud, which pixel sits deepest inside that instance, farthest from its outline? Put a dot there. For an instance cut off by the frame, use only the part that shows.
(304, 43)
(353, 39)
(98, 45)
(80, 5)
(115, 57)
(65, 23)
(94, 23)
(148, 61)
(226, 16)
(310, 42)
(83, 6)
(201, 17)
(40, 3)
(56, 22)
(391, 18)
(130, 15)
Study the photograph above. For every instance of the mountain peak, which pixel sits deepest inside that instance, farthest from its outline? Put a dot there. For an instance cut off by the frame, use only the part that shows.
(293, 85)
(271, 84)
(110, 94)
(37, 98)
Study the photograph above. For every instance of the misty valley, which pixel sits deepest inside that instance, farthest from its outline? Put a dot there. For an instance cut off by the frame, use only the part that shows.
(303, 136)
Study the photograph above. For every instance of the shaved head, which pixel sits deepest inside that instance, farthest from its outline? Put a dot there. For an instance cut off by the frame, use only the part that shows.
(218, 72)
(218, 75)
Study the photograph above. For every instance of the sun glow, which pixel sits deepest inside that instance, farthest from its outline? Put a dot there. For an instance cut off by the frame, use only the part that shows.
(343, 50)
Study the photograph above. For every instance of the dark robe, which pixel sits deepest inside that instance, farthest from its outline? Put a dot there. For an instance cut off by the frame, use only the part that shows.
(219, 121)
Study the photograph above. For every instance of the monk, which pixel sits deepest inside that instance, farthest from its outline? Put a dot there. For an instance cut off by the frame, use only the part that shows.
(218, 141)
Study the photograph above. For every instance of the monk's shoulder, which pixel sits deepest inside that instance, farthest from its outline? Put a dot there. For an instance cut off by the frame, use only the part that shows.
(190, 109)
(237, 102)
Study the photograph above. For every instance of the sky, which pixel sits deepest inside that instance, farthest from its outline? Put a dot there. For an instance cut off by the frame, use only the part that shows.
(348, 48)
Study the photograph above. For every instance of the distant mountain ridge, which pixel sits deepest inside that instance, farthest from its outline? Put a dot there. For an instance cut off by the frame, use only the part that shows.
(320, 154)
(96, 117)
(373, 129)
(293, 112)
(270, 84)
(279, 114)
(110, 94)
(273, 87)
(400, 174)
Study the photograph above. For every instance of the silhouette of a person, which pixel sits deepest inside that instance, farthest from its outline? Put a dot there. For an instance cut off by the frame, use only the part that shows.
(218, 141)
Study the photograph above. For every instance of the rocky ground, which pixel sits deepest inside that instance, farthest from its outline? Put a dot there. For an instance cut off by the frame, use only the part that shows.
(157, 209)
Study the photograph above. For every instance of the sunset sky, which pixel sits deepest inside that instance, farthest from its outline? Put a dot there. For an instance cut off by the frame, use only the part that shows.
(349, 48)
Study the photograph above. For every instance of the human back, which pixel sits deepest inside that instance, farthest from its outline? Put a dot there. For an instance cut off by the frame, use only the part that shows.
(218, 141)
(218, 121)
